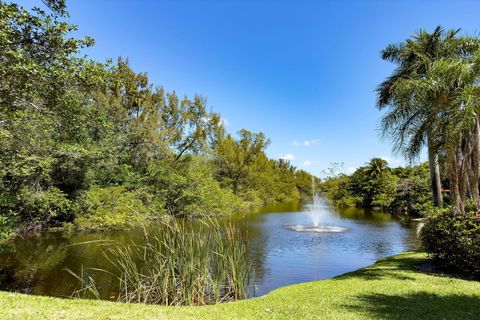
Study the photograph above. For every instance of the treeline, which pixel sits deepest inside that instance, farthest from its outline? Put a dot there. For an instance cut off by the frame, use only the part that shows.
(99, 145)
(401, 190)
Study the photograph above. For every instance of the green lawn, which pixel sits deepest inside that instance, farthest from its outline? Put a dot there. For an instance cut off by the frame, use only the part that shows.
(393, 288)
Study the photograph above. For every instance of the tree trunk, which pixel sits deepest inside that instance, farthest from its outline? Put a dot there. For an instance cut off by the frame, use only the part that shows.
(435, 176)
(455, 200)
(458, 178)
(474, 170)
(473, 182)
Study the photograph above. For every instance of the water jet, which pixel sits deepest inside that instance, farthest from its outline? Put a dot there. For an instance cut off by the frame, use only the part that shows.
(314, 211)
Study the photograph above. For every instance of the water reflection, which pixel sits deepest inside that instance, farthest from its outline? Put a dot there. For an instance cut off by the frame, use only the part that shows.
(279, 256)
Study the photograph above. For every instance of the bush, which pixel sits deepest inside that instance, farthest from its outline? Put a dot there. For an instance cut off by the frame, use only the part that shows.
(454, 241)
(47, 207)
(206, 194)
(111, 207)
(189, 189)
(7, 225)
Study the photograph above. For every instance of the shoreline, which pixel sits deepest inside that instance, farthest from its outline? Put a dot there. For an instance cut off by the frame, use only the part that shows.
(392, 287)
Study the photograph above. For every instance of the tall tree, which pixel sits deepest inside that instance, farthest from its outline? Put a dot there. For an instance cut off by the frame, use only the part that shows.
(409, 122)
(457, 130)
(234, 158)
(44, 103)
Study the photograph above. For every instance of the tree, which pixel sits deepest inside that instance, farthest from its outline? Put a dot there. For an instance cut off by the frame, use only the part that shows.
(457, 130)
(411, 122)
(44, 102)
(234, 158)
(136, 110)
(195, 126)
(374, 185)
(75, 133)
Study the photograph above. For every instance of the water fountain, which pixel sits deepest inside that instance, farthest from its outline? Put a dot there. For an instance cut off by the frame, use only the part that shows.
(314, 212)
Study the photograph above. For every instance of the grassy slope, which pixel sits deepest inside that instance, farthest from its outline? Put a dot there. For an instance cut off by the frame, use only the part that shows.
(390, 289)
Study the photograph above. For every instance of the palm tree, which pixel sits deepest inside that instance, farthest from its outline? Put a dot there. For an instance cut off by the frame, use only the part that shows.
(411, 118)
(458, 124)
(376, 167)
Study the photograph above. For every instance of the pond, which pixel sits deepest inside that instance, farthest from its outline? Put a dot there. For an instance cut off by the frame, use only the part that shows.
(279, 254)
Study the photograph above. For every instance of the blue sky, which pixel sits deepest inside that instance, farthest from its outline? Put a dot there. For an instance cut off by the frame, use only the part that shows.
(303, 72)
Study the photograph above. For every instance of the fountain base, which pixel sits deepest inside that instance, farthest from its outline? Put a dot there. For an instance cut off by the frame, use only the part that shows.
(318, 229)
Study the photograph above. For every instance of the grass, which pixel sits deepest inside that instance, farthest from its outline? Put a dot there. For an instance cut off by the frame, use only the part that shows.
(184, 263)
(393, 288)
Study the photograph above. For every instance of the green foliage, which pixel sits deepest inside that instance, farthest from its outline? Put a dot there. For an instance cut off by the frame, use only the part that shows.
(235, 158)
(209, 196)
(454, 241)
(101, 142)
(337, 189)
(374, 185)
(401, 190)
(43, 99)
(413, 191)
(431, 99)
(7, 226)
(48, 207)
(111, 207)
(188, 188)
(242, 165)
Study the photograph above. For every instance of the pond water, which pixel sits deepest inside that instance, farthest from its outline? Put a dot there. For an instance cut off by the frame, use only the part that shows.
(279, 254)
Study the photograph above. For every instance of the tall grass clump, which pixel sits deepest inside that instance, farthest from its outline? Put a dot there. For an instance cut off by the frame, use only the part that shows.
(187, 262)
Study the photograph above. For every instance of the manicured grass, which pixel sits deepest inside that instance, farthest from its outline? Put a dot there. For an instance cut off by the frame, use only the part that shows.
(393, 288)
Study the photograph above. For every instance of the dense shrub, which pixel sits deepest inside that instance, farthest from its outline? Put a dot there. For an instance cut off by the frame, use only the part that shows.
(402, 190)
(188, 188)
(46, 207)
(414, 196)
(337, 190)
(111, 207)
(7, 225)
(454, 241)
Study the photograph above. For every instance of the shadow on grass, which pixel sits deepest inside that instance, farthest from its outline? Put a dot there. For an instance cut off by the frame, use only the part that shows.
(422, 305)
(376, 274)
(393, 268)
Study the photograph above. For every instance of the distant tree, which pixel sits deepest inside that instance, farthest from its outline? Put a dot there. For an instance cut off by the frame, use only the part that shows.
(196, 125)
(374, 184)
(234, 158)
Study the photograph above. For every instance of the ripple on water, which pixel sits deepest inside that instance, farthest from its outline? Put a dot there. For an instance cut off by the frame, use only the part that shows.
(319, 229)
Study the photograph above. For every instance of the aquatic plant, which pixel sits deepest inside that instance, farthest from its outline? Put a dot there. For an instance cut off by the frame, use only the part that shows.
(185, 262)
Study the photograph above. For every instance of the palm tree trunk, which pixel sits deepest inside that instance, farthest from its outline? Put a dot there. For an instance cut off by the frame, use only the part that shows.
(474, 175)
(458, 179)
(455, 200)
(434, 176)
(473, 182)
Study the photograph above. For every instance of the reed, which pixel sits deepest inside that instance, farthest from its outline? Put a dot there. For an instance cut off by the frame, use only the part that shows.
(188, 262)
(87, 286)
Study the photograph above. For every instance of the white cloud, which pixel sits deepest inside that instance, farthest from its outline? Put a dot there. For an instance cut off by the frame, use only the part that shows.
(351, 170)
(305, 143)
(288, 157)
(307, 163)
(224, 122)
